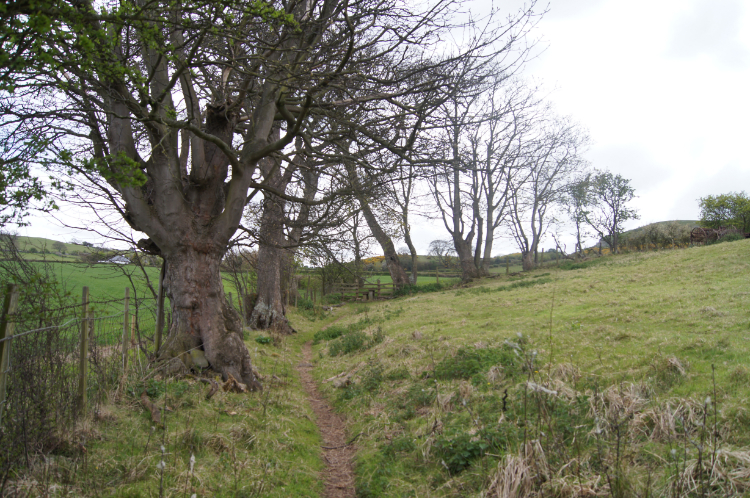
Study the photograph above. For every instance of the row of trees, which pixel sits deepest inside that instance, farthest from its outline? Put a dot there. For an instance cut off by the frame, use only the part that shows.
(289, 130)
(294, 125)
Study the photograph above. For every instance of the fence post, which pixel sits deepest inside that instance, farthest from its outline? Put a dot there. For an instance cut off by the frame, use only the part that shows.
(378, 288)
(125, 330)
(6, 331)
(507, 265)
(83, 366)
(160, 309)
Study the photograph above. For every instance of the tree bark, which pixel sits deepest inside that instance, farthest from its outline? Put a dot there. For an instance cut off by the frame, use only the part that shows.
(465, 257)
(527, 260)
(203, 323)
(270, 309)
(398, 275)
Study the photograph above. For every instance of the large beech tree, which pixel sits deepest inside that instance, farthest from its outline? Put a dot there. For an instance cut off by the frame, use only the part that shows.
(167, 108)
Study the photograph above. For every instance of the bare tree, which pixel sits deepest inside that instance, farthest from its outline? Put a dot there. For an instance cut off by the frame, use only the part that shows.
(166, 112)
(552, 157)
(496, 153)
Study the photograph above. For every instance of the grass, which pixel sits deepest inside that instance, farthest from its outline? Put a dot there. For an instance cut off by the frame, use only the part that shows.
(583, 381)
(243, 445)
(604, 366)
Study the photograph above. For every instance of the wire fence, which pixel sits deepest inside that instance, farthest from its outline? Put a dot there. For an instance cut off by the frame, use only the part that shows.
(46, 388)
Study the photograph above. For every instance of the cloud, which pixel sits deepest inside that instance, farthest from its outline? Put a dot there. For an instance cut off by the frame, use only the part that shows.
(711, 27)
(561, 9)
(731, 178)
(632, 162)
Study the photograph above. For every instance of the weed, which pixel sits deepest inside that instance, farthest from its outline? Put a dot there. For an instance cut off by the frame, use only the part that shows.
(332, 332)
(355, 341)
(469, 362)
(400, 373)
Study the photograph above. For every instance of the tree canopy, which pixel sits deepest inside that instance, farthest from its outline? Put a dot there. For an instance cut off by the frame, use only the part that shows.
(726, 210)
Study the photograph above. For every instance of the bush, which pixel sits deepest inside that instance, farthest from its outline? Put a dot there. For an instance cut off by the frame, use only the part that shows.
(459, 451)
(331, 299)
(354, 342)
(732, 237)
(414, 289)
(305, 304)
(332, 332)
(469, 362)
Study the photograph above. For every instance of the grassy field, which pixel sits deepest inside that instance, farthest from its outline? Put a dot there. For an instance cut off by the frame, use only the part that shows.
(603, 371)
(621, 376)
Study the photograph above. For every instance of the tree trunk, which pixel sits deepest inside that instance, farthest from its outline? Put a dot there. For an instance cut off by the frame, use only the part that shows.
(478, 261)
(270, 311)
(204, 326)
(413, 252)
(398, 275)
(465, 259)
(527, 260)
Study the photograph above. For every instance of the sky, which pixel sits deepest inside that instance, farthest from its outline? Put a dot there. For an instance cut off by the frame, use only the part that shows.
(661, 86)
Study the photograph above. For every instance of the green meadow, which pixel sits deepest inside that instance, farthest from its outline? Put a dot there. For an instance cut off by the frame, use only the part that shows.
(594, 372)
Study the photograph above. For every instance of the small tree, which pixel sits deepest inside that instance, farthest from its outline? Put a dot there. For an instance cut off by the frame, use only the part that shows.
(726, 210)
(576, 203)
(58, 247)
(609, 196)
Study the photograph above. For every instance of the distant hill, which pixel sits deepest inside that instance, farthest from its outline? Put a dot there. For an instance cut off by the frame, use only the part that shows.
(689, 223)
(40, 244)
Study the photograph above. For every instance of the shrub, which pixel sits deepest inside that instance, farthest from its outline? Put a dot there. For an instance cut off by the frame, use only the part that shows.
(431, 287)
(332, 332)
(354, 342)
(305, 304)
(731, 237)
(469, 362)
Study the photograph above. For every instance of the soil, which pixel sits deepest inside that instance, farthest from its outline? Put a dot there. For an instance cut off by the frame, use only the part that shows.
(337, 454)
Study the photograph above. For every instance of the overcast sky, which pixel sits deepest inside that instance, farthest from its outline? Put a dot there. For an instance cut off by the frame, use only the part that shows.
(662, 88)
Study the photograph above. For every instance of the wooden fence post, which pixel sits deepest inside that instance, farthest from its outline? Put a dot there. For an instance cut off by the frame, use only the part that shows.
(83, 365)
(378, 288)
(125, 330)
(437, 275)
(160, 309)
(7, 324)
(507, 265)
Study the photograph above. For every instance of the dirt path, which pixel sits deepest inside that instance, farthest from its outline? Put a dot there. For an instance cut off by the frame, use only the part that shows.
(337, 455)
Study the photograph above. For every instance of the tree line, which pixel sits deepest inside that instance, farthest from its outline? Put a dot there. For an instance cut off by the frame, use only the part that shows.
(272, 132)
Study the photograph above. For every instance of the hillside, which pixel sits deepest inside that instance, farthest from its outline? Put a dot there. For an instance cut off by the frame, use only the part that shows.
(626, 344)
(40, 244)
(598, 380)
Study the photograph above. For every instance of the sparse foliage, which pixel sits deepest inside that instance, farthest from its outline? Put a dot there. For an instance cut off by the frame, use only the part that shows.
(609, 194)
